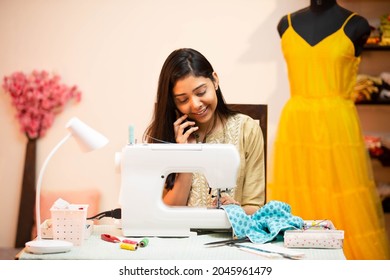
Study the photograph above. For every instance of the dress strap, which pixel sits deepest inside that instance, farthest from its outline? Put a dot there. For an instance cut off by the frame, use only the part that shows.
(289, 19)
(346, 21)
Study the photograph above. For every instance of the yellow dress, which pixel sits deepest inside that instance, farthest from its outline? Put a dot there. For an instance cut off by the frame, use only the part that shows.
(320, 163)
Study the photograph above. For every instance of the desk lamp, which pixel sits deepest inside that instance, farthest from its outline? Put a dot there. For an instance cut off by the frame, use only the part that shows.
(89, 140)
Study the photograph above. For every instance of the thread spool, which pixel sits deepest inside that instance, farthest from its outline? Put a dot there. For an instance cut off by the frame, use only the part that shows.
(128, 241)
(128, 246)
(144, 242)
(131, 135)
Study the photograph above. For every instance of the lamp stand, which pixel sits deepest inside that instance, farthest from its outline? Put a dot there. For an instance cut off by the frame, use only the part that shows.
(46, 246)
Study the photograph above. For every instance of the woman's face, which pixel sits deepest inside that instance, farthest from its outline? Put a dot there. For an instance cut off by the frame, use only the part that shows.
(196, 97)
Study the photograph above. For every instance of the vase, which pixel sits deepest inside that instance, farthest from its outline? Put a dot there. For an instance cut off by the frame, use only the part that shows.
(27, 198)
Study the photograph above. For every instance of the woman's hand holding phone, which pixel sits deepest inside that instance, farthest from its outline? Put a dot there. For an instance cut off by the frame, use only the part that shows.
(184, 129)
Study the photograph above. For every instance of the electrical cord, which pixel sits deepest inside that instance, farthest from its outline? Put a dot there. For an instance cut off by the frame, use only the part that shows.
(113, 213)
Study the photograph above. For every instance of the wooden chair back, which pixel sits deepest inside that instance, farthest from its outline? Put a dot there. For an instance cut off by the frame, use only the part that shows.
(257, 112)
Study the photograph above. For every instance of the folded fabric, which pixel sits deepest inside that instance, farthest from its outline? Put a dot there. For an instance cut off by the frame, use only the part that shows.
(265, 224)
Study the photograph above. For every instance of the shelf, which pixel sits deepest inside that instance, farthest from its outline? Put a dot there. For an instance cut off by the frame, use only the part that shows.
(376, 48)
(383, 158)
(375, 103)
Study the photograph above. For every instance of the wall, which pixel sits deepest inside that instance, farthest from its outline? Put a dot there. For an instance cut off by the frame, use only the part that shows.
(113, 50)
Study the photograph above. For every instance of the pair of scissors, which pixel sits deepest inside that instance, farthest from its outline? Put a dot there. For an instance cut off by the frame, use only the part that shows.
(229, 242)
(236, 243)
(110, 238)
(114, 239)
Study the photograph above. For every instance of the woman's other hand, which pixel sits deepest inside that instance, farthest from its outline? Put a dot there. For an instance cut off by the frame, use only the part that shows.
(225, 199)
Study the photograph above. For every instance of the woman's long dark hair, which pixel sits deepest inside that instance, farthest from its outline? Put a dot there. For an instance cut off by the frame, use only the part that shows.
(179, 64)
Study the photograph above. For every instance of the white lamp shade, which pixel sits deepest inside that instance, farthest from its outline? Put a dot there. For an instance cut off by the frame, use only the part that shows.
(88, 138)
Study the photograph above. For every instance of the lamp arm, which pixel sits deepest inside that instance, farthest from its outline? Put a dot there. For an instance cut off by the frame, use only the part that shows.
(39, 185)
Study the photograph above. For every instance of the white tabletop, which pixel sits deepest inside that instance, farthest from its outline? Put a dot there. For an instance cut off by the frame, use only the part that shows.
(187, 248)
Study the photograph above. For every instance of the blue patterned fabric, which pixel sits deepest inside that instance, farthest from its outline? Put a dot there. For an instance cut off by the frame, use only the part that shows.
(265, 224)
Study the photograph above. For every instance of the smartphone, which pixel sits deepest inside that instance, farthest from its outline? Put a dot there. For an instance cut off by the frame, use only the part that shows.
(179, 114)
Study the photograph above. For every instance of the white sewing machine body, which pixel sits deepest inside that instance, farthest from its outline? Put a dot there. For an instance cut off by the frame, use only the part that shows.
(144, 169)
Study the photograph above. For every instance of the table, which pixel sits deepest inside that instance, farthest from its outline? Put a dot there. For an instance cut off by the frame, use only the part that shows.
(169, 248)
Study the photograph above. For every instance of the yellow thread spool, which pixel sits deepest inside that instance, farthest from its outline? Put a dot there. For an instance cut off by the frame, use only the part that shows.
(127, 246)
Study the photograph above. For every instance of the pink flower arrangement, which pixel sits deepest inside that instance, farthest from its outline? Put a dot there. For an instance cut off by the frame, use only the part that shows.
(38, 97)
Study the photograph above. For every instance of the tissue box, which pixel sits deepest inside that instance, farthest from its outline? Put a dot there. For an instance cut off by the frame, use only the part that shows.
(315, 234)
(69, 223)
(47, 229)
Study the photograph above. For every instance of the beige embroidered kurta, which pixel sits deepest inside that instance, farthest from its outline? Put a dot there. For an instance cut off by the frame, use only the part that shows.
(245, 133)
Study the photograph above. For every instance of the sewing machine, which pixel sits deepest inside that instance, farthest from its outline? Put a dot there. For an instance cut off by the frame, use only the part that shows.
(144, 169)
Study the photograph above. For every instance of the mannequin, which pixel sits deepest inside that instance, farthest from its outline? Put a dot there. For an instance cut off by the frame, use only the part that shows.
(324, 17)
(320, 162)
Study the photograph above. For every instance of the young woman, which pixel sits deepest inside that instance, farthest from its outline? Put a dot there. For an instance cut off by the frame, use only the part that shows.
(190, 108)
